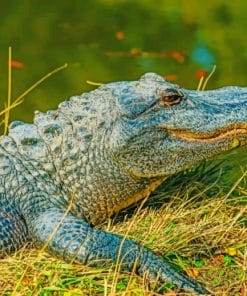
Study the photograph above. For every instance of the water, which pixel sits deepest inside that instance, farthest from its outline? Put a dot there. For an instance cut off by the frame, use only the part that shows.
(107, 40)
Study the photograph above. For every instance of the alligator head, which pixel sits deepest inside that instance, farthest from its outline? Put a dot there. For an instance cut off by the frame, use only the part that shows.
(162, 129)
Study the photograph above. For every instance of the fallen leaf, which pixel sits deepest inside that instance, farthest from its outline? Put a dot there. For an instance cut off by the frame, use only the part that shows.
(177, 55)
(219, 258)
(27, 281)
(193, 272)
(200, 73)
(16, 64)
(243, 291)
(120, 35)
(171, 77)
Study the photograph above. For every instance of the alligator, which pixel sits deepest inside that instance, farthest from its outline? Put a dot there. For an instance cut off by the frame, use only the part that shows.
(98, 153)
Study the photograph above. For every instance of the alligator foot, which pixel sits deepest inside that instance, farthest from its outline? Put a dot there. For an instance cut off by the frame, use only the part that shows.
(73, 239)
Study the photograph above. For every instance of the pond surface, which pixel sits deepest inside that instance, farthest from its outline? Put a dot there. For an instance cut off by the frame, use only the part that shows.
(107, 40)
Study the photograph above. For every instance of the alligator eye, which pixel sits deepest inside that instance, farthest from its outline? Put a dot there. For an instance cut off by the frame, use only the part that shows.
(169, 97)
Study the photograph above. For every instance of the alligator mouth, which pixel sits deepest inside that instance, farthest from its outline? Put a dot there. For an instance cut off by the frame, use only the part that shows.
(230, 132)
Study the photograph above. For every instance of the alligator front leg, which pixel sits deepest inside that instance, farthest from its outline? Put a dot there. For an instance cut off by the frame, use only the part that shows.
(73, 239)
(13, 229)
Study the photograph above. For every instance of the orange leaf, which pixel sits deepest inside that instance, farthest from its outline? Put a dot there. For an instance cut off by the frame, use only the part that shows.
(27, 281)
(177, 55)
(219, 258)
(193, 272)
(171, 77)
(120, 35)
(17, 64)
(200, 73)
(243, 291)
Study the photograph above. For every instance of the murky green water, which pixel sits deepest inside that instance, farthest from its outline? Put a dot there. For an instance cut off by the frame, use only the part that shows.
(107, 40)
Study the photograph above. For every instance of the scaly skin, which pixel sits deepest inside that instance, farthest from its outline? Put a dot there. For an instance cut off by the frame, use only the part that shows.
(98, 153)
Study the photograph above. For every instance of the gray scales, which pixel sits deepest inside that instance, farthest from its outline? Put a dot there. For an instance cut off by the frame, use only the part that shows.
(99, 152)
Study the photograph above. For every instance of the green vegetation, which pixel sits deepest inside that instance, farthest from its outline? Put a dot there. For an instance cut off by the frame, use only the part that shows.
(5, 113)
(111, 40)
(83, 32)
(192, 221)
(196, 224)
(198, 228)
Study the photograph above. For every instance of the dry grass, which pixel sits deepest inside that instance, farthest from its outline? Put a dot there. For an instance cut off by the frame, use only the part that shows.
(5, 113)
(200, 229)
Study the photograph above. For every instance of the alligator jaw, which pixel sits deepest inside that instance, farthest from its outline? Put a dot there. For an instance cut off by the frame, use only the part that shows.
(231, 132)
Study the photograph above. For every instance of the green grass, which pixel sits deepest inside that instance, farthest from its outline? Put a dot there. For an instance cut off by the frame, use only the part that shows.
(191, 221)
(199, 228)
